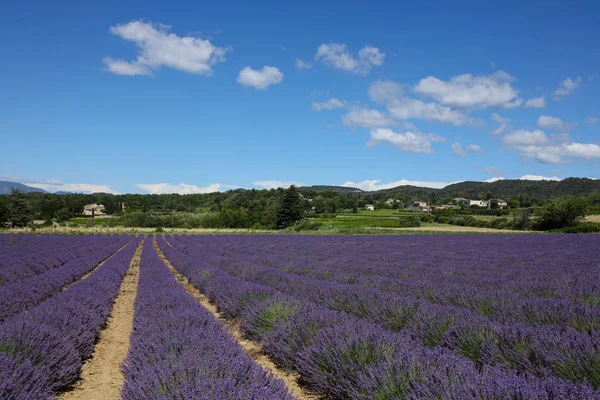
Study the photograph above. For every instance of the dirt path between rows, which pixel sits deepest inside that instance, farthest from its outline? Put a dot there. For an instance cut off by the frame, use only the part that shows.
(253, 349)
(96, 267)
(101, 377)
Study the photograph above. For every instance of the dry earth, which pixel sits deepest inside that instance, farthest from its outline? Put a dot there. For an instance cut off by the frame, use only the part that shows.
(101, 377)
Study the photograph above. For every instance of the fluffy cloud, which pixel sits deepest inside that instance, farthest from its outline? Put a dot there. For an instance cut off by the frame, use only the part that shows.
(461, 151)
(410, 142)
(469, 91)
(458, 150)
(402, 107)
(591, 120)
(500, 130)
(539, 178)
(182, 188)
(337, 56)
(365, 118)
(328, 105)
(494, 171)
(523, 137)
(536, 102)
(474, 148)
(372, 185)
(549, 149)
(159, 48)
(57, 186)
(302, 64)
(567, 87)
(276, 184)
(547, 122)
(498, 118)
(260, 79)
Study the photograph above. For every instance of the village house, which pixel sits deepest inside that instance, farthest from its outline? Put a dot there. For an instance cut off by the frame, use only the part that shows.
(390, 202)
(501, 203)
(369, 207)
(418, 206)
(93, 209)
(478, 203)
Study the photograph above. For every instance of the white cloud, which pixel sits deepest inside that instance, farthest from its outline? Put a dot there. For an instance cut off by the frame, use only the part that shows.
(371, 55)
(469, 91)
(55, 185)
(549, 149)
(536, 102)
(365, 118)
(159, 48)
(372, 185)
(458, 150)
(433, 137)
(494, 179)
(276, 184)
(337, 56)
(410, 142)
(547, 122)
(500, 130)
(524, 137)
(539, 178)
(182, 188)
(474, 148)
(302, 64)
(498, 118)
(567, 87)
(260, 79)
(328, 105)
(402, 107)
(383, 92)
(591, 120)
(495, 171)
(120, 67)
(461, 151)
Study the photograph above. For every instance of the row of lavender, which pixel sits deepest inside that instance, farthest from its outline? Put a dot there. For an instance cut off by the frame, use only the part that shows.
(22, 256)
(344, 355)
(542, 350)
(178, 350)
(22, 294)
(42, 350)
(479, 274)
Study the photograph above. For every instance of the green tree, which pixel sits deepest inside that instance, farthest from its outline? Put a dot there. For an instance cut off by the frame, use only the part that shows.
(290, 209)
(19, 213)
(562, 213)
(4, 212)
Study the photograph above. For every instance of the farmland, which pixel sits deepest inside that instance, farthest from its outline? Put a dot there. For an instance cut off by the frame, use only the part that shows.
(300, 316)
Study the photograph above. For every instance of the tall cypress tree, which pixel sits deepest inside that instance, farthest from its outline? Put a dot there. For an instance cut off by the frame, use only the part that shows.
(290, 209)
(19, 212)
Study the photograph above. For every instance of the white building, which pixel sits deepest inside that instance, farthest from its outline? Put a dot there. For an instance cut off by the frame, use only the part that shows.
(501, 203)
(93, 210)
(390, 202)
(369, 207)
(478, 203)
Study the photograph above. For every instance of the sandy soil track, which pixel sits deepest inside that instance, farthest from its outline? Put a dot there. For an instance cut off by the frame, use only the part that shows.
(101, 377)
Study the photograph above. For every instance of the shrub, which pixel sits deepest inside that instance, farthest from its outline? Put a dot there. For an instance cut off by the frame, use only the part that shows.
(306, 225)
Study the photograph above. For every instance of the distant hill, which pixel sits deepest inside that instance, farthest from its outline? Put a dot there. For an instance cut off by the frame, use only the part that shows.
(6, 187)
(343, 189)
(542, 190)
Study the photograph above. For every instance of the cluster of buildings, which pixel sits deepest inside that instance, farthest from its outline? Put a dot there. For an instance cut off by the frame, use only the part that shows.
(423, 206)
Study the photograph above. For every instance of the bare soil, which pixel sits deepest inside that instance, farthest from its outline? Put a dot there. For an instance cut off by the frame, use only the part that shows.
(101, 377)
(253, 349)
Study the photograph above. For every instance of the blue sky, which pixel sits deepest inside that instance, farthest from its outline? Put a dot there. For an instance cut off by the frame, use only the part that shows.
(192, 97)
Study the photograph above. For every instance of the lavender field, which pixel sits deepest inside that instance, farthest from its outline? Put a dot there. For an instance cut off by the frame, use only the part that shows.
(349, 317)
